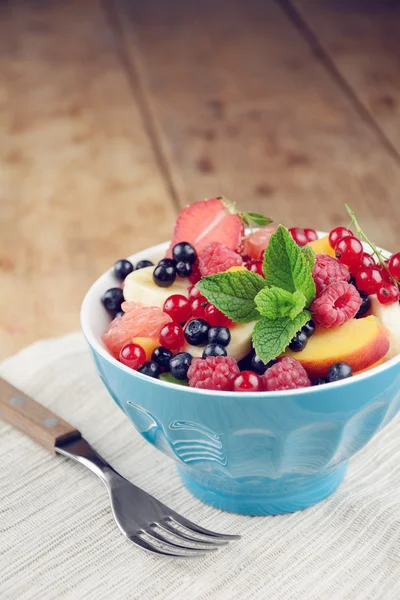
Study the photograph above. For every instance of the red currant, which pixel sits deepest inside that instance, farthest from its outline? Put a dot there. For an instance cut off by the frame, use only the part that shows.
(171, 336)
(385, 274)
(247, 381)
(394, 266)
(298, 235)
(178, 308)
(132, 355)
(195, 275)
(367, 261)
(388, 294)
(349, 251)
(369, 280)
(310, 234)
(337, 234)
(198, 307)
(194, 293)
(255, 266)
(215, 317)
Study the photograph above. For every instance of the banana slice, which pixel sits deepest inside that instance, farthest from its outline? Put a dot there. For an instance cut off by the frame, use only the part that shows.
(140, 287)
(239, 346)
(389, 316)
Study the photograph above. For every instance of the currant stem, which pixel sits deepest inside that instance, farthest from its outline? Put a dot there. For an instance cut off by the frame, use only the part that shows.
(368, 241)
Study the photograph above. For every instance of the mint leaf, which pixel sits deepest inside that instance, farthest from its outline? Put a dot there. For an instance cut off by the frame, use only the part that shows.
(251, 217)
(233, 293)
(309, 255)
(285, 266)
(272, 336)
(171, 379)
(274, 303)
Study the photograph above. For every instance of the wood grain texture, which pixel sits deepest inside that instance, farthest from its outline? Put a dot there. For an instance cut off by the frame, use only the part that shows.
(33, 419)
(79, 183)
(245, 108)
(363, 40)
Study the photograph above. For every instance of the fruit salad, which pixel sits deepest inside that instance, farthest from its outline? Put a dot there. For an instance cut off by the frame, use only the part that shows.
(240, 304)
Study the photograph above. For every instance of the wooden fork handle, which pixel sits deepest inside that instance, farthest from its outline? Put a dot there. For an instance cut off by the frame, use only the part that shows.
(30, 417)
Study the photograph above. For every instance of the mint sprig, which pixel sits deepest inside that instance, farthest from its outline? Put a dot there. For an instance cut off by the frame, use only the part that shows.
(286, 266)
(272, 336)
(233, 293)
(256, 218)
(278, 303)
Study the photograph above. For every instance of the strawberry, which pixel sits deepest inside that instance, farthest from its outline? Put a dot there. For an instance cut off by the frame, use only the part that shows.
(208, 221)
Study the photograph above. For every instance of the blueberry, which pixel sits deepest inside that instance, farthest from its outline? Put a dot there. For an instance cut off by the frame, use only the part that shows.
(299, 342)
(352, 280)
(219, 335)
(365, 305)
(196, 332)
(258, 366)
(179, 364)
(122, 268)
(166, 262)
(142, 264)
(245, 363)
(120, 313)
(112, 300)
(164, 275)
(214, 350)
(319, 381)
(183, 269)
(162, 356)
(151, 369)
(184, 252)
(339, 370)
(309, 328)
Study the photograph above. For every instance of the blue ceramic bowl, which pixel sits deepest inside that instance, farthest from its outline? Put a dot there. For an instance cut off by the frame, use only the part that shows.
(254, 454)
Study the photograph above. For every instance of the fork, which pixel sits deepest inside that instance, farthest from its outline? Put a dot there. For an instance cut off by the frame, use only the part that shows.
(144, 520)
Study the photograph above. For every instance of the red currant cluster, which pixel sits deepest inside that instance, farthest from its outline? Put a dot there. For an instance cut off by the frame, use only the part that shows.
(381, 278)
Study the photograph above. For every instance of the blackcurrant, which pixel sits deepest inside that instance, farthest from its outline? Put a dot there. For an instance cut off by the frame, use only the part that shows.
(196, 332)
(120, 313)
(219, 335)
(112, 300)
(299, 342)
(339, 370)
(184, 252)
(179, 364)
(309, 328)
(365, 304)
(258, 366)
(162, 356)
(164, 275)
(151, 369)
(183, 269)
(319, 381)
(245, 363)
(142, 264)
(122, 268)
(166, 262)
(214, 350)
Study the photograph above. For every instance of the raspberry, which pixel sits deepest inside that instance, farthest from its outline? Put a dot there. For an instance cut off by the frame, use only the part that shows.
(213, 373)
(286, 374)
(216, 258)
(337, 304)
(328, 270)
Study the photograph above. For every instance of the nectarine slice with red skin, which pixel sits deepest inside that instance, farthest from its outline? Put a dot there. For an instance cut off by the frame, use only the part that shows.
(360, 342)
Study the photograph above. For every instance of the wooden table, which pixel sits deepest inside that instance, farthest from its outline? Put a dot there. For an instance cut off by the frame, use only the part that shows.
(115, 114)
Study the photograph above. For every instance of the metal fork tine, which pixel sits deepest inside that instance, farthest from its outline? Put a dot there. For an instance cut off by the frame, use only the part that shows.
(165, 540)
(197, 529)
(138, 541)
(165, 524)
(184, 537)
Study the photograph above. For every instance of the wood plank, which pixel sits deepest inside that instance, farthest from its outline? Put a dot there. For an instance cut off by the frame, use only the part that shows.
(247, 110)
(80, 186)
(363, 40)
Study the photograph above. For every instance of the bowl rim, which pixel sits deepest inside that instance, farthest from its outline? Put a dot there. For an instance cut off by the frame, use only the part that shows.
(95, 344)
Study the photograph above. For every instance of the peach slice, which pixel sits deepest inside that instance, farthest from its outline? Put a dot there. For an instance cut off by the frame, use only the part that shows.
(359, 342)
(322, 246)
